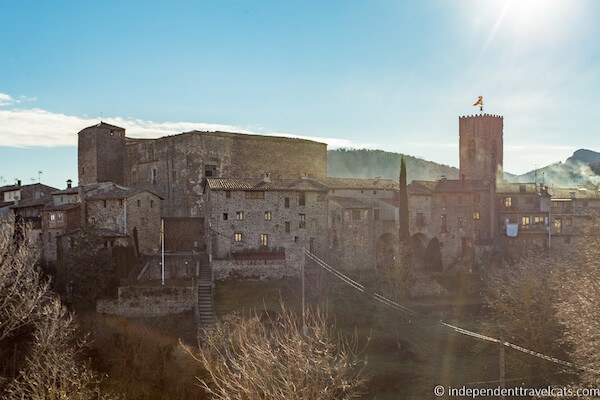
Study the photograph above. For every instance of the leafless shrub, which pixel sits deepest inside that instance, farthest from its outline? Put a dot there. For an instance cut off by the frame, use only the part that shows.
(269, 357)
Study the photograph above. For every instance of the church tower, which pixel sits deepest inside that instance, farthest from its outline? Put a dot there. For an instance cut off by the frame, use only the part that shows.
(481, 147)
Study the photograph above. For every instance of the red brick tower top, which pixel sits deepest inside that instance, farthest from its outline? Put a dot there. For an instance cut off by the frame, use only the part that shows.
(481, 147)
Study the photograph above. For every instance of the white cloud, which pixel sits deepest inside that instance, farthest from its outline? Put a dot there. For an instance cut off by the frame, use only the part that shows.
(6, 100)
(41, 128)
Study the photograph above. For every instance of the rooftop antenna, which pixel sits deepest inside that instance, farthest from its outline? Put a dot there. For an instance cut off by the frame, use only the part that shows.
(2, 180)
(40, 176)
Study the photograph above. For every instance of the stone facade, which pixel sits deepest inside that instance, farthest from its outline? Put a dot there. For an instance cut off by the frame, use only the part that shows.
(101, 154)
(265, 219)
(140, 301)
(481, 147)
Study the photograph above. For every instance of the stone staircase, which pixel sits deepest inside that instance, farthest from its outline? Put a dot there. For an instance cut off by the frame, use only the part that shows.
(205, 314)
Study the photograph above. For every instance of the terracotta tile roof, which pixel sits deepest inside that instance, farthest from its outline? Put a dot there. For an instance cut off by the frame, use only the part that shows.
(460, 185)
(349, 202)
(32, 203)
(259, 184)
(62, 207)
(577, 193)
(421, 188)
(352, 183)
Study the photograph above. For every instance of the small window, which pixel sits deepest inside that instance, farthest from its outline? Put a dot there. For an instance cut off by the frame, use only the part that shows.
(93, 221)
(264, 239)
(153, 176)
(538, 220)
(59, 217)
(522, 189)
(302, 221)
(49, 237)
(267, 215)
(287, 202)
(374, 191)
(444, 223)
(151, 203)
(295, 239)
(139, 203)
(225, 216)
(356, 215)
(568, 221)
(302, 199)
(476, 215)
(210, 170)
(82, 170)
(376, 214)
(121, 202)
(507, 202)
(237, 237)
(227, 194)
(420, 219)
(52, 217)
(239, 215)
(104, 203)
(525, 220)
(287, 227)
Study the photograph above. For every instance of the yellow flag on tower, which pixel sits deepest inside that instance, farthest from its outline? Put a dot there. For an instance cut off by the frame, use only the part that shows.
(479, 102)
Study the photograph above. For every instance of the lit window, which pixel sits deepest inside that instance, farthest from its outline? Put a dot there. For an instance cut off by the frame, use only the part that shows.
(59, 216)
(538, 220)
(568, 221)
(52, 217)
(267, 215)
(525, 221)
(239, 215)
(476, 215)
(237, 237)
(264, 239)
(507, 202)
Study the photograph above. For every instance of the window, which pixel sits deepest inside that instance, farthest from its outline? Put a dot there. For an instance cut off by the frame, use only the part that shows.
(82, 170)
(558, 225)
(476, 197)
(507, 201)
(264, 239)
(302, 199)
(568, 221)
(476, 215)
(151, 203)
(538, 220)
(522, 189)
(225, 216)
(237, 237)
(210, 170)
(121, 202)
(153, 174)
(444, 223)
(93, 221)
(104, 203)
(287, 227)
(374, 191)
(239, 215)
(376, 214)
(267, 215)
(227, 194)
(420, 219)
(302, 221)
(59, 217)
(525, 221)
(356, 215)
(49, 237)
(255, 195)
(52, 217)
(139, 203)
(287, 202)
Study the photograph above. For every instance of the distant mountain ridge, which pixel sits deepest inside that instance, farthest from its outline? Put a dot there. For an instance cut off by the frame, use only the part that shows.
(581, 169)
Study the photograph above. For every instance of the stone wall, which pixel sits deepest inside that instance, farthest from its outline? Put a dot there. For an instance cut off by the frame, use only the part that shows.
(175, 166)
(137, 301)
(481, 146)
(254, 269)
(101, 154)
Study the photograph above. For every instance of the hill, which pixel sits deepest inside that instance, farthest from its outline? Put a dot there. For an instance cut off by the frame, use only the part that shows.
(350, 163)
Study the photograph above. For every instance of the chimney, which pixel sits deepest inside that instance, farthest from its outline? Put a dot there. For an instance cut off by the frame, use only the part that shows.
(18, 182)
(266, 177)
(69, 183)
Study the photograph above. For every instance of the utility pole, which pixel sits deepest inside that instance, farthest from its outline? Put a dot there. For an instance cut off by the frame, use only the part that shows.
(162, 242)
(304, 330)
(502, 365)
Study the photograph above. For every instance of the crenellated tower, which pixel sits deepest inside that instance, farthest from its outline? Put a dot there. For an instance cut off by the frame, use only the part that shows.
(481, 147)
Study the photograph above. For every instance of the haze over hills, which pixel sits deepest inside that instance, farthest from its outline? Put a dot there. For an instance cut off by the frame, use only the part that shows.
(582, 168)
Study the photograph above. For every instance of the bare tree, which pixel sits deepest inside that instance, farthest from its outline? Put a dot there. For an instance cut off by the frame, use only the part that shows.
(269, 357)
(38, 349)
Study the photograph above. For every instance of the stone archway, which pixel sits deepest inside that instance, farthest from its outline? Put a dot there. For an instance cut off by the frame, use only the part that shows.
(418, 243)
(387, 245)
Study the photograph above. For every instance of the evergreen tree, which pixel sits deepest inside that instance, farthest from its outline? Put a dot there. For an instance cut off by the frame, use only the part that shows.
(404, 234)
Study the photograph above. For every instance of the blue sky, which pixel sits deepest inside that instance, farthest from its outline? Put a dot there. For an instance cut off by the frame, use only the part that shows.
(393, 75)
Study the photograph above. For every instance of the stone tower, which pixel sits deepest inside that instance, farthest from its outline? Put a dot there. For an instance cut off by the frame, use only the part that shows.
(481, 147)
(101, 154)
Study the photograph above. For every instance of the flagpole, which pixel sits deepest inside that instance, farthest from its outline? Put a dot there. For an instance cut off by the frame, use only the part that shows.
(162, 241)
